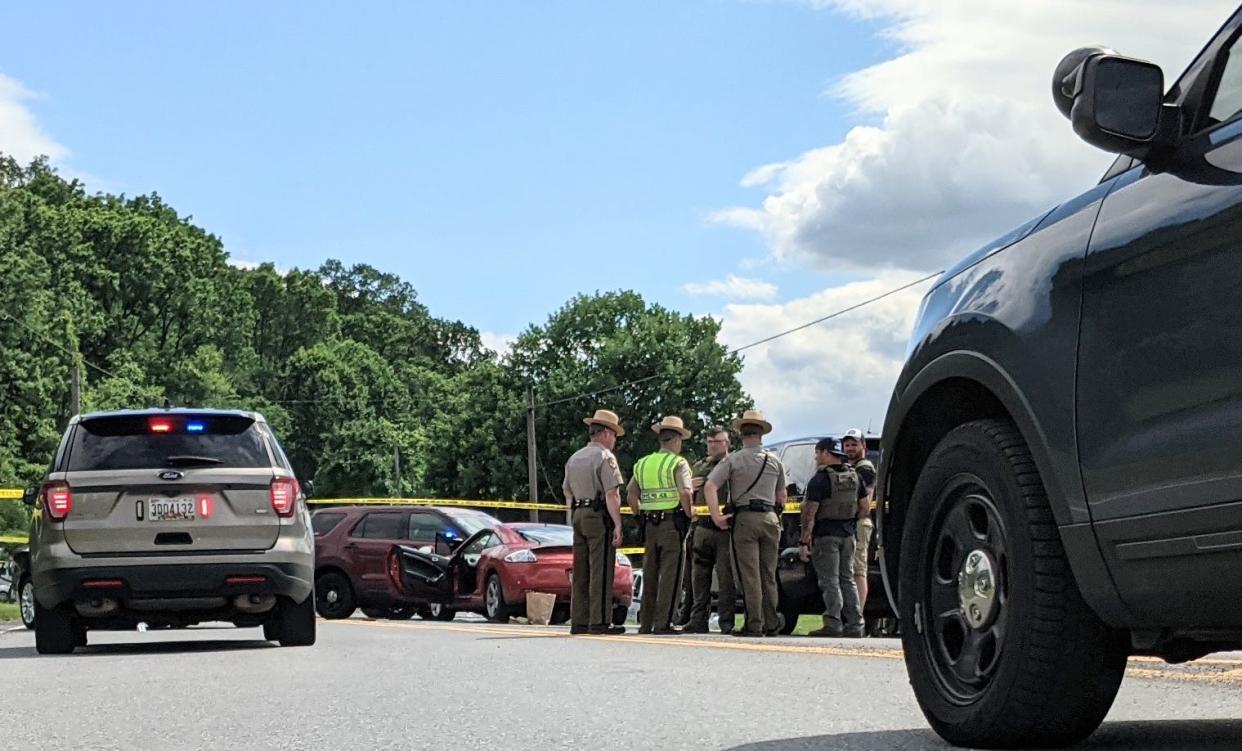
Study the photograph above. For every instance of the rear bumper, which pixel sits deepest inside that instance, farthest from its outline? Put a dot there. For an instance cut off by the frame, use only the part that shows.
(519, 580)
(292, 579)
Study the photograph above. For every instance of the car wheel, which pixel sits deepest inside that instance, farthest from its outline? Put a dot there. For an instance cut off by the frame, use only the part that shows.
(1001, 649)
(375, 614)
(54, 631)
(494, 600)
(26, 601)
(297, 623)
(440, 612)
(271, 630)
(392, 613)
(560, 615)
(619, 615)
(334, 596)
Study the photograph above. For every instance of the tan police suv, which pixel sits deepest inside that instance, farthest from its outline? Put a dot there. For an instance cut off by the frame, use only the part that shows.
(170, 518)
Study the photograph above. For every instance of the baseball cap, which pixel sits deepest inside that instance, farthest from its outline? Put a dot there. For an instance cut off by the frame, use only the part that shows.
(856, 434)
(830, 445)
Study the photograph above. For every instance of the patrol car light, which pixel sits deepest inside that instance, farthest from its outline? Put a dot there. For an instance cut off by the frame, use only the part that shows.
(160, 426)
(195, 427)
(521, 556)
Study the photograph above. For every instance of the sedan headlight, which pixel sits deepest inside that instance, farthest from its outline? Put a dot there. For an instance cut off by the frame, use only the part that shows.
(622, 559)
(521, 556)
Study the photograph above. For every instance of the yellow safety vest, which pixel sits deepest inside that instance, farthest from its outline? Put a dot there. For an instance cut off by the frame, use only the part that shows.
(656, 475)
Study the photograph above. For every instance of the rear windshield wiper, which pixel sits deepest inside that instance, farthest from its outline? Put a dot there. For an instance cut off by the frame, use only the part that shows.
(183, 460)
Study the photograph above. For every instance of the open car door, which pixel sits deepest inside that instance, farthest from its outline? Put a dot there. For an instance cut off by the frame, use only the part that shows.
(421, 576)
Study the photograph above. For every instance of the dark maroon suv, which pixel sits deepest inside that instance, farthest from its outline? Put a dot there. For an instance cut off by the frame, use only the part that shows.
(351, 550)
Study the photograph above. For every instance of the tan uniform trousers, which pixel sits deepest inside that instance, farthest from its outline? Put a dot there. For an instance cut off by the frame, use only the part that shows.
(594, 562)
(756, 553)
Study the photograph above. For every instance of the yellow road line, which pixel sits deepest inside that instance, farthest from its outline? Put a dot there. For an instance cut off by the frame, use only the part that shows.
(1170, 673)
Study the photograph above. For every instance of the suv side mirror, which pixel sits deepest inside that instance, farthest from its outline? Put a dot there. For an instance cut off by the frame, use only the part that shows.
(1113, 102)
(308, 488)
(30, 495)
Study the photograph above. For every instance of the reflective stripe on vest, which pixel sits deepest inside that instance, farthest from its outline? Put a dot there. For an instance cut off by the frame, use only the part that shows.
(657, 481)
(842, 504)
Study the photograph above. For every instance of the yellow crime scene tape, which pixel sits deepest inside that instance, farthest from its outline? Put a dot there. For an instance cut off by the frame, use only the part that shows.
(10, 494)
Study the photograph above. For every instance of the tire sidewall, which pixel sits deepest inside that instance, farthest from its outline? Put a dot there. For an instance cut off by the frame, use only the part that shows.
(965, 451)
(493, 580)
(345, 604)
(22, 585)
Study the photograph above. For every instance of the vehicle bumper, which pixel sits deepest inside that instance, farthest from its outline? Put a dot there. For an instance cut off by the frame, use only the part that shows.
(175, 581)
(556, 582)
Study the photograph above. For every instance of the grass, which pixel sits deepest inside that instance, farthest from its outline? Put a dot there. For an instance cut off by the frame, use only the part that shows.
(808, 623)
(9, 611)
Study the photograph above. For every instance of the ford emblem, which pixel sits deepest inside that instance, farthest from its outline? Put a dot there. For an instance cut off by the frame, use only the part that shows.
(170, 475)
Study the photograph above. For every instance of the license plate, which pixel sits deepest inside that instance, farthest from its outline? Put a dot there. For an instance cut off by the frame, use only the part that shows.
(170, 510)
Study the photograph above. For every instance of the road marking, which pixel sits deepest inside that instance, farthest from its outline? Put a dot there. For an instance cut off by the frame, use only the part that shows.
(1169, 673)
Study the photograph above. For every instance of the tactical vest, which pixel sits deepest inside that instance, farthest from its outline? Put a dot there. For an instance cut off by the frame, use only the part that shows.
(656, 475)
(842, 503)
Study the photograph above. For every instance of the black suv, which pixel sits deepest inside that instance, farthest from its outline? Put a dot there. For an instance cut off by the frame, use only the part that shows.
(1062, 484)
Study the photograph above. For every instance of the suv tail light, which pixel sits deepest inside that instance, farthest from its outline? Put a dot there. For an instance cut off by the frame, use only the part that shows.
(284, 496)
(57, 500)
(394, 569)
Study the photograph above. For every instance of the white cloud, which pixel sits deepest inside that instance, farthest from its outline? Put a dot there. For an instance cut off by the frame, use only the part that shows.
(498, 343)
(21, 136)
(733, 287)
(965, 141)
(832, 376)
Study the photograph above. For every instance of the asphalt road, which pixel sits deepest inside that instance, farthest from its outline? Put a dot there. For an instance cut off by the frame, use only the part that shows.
(415, 685)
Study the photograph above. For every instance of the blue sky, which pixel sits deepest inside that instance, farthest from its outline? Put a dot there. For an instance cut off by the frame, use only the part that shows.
(501, 157)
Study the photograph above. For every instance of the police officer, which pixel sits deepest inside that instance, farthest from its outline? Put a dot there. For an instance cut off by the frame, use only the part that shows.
(659, 494)
(592, 494)
(835, 500)
(855, 445)
(710, 545)
(756, 479)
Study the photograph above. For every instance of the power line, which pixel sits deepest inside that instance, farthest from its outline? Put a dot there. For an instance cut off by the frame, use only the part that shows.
(56, 345)
(736, 350)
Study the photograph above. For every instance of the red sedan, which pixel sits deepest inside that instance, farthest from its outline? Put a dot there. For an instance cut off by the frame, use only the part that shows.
(491, 572)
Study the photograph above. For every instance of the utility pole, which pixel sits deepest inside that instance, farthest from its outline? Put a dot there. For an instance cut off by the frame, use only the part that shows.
(532, 474)
(75, 389)
(396, 470)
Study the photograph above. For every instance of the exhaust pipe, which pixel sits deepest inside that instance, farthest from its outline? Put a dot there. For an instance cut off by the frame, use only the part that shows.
(97, 606)
(254, 603)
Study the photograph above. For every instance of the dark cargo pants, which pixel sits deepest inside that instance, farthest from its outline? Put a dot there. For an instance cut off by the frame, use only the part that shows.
(661, 574)
(594, 560)
(711, 550)
(756, 554)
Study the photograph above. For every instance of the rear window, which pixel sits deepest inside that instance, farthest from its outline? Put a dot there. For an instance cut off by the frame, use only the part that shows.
(324, 522)
(381, 526)
(547, 535)
(473, 521)
(158, 441)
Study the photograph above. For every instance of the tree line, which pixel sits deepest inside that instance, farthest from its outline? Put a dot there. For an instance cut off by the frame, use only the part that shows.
(344, 360)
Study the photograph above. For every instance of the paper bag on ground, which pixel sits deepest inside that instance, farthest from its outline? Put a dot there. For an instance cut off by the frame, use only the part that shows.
(539, 607)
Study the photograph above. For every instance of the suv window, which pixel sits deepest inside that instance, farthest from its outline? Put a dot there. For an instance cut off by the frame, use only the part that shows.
(1226, 101)
(325, 521)
(424, 527)
(154, 441)
(382, 526)
(799, 461)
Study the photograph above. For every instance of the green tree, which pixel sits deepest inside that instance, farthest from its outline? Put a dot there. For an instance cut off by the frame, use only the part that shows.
(642, 361)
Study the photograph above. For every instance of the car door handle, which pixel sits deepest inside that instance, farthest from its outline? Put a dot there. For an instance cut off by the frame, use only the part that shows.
(351, 546)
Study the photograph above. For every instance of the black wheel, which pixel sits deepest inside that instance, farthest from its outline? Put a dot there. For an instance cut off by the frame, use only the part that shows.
(392, 612)
(619, 615)
(789, 617)
(560, 616)
(26, 601)
(440, 612)
(375, 614)
(1001, 650)
(54, 631)
(334, 596)
(296, 627)
(79, 634)
(494, 606)
(271, 630)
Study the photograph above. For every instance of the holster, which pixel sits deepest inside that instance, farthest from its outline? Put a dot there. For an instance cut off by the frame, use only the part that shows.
(682, 523)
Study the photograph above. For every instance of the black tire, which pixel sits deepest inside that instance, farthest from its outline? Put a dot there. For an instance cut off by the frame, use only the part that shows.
(560, 616)
(55, 632)
(1024, 662)
(494, 606)
(789, 614)
(440, 612)
(375, 614)
(296, 627)
(619, 615)
(26, 601)
(271, 629)
(392, 612)
(334, 596)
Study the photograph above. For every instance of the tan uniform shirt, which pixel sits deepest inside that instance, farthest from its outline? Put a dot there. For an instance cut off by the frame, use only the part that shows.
(740, 469)
(703, 468)
(681, 476)
(591, 471)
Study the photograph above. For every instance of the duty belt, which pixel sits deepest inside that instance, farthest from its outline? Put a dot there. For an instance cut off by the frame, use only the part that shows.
(591, 503)
(755, 504)
(655, 517)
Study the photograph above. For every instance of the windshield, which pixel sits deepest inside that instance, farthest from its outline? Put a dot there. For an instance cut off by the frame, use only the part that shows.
(551, 535)
(472, 521)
